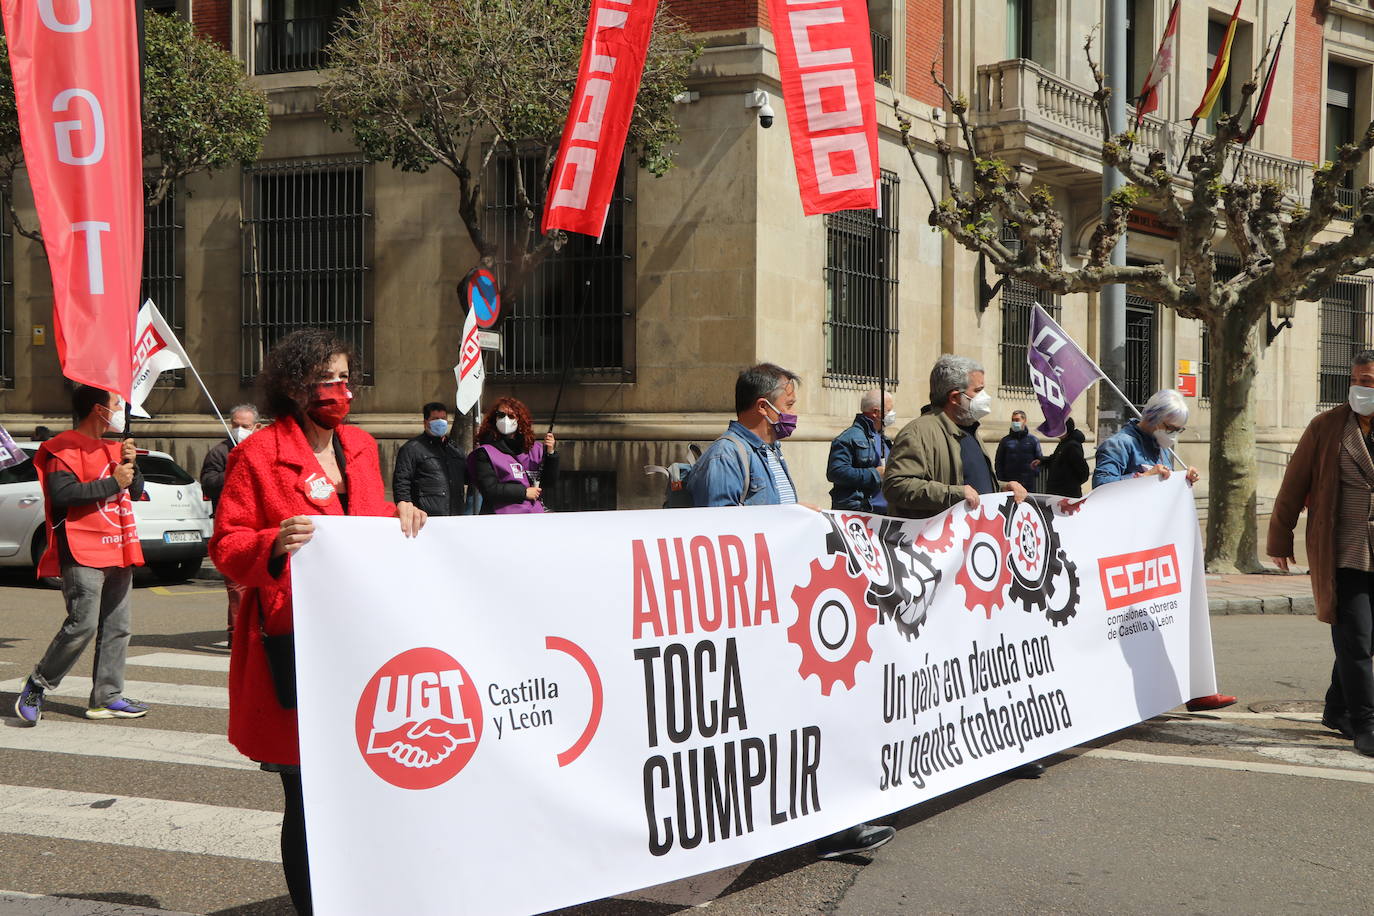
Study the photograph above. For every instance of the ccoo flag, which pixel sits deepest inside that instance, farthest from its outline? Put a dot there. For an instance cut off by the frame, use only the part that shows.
(156, 350)
(469, 372)
(1059, 371)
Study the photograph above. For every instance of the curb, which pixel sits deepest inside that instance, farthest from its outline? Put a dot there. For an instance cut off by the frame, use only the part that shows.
(1268, 604)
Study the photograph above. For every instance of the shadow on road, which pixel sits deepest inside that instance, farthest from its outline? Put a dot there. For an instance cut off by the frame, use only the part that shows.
(277, 906)
(202, 641)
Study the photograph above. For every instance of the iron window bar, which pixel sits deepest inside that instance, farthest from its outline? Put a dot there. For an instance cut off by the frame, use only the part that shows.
(861, 290)
(1347, 327)
(162, 276)
(1019, 300)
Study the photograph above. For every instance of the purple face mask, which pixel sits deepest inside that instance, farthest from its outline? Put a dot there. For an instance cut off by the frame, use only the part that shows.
(786, 423)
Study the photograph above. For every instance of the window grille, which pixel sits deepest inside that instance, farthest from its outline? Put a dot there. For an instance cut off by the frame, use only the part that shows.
(583, 491)
(306, 252)
(6, 305)
(861, 290)
(574, 305)
(882, 57)
(163, 236)
(1141, 318)
(1345, 330)
(1019, 299)
(294, 35)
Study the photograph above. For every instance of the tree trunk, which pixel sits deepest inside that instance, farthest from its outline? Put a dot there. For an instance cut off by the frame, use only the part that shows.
(1231, 477)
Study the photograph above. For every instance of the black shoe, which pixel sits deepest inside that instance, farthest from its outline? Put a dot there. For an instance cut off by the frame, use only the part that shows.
(1338, 722)
(1033, 770)
(1364, 743)
(859, 838)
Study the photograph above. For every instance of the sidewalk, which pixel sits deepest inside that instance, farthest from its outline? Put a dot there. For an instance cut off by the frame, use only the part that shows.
(1262, 593)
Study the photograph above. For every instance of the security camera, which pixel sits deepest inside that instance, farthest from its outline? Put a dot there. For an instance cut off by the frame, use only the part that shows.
(758, 99)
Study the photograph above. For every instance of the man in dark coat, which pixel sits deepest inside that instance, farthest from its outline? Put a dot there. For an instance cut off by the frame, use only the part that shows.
(431, 469)
(1018, 454)
(858, 456)
(1068, 468)
(243, 419)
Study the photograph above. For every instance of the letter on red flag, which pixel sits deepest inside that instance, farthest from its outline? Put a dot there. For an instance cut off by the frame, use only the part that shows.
(75, 65)
(826, 61)
(613, 54)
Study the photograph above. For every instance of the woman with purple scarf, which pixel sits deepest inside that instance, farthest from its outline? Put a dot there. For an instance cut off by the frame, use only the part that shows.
(510, 468)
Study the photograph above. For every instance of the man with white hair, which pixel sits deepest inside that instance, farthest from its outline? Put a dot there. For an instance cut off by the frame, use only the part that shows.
(1145, 448)
(858, 457)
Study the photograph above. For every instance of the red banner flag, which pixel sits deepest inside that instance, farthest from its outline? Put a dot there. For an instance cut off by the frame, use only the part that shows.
(613, 53)
(826, 62)
(76, 84)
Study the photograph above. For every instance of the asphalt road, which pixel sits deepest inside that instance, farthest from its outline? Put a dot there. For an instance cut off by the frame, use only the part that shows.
(1256, 809)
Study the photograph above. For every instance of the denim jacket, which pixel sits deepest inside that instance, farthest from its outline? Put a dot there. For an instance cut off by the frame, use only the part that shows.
(1126, 454)
(717, 479)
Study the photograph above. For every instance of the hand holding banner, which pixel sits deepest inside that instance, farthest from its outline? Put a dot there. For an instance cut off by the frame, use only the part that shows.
(1059, 371)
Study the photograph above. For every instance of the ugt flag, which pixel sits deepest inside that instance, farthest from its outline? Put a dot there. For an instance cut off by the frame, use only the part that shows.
(1059, 371)
(156, 350)
(75, 67)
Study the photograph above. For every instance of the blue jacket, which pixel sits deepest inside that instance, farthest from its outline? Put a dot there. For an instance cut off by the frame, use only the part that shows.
(854, 458)
(717, 479)
(1126, 454)
(1015, 453)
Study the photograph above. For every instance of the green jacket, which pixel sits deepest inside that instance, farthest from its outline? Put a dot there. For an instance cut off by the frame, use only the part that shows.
(925, 472)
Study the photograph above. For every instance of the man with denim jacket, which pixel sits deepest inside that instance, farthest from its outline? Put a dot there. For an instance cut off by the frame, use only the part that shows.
(858, 456)
(765, 396)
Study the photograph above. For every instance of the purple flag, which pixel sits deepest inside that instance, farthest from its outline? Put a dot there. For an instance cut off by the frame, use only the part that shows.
(10, 454)
(1059, 371)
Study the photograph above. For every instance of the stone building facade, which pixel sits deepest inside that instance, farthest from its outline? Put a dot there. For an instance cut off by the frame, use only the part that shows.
(714, 266)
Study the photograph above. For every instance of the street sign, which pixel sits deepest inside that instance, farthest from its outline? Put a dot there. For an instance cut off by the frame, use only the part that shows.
(483, 296)
(489, 340)
(1187, 385)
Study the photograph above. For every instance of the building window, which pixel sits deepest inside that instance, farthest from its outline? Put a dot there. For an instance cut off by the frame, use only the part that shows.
(1141, 319)
(6, 305)
(1019, 299)
(880, 23)
(306, 256)
(573, 310)
(161, 7)
(294, 34)
(162, 279)
(583, 491)
(1340, 123)
(1345, 331)
(1019, 29)
(861, 290)
(1216, 35)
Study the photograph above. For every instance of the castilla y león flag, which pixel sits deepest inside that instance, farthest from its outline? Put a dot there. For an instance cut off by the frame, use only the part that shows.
(825, 57)
(76, 85)
(613, 54)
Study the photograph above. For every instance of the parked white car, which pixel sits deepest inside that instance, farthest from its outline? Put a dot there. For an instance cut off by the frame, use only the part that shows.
(174, 521)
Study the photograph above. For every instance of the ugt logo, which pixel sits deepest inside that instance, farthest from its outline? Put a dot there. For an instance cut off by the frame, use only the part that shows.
(419, 719)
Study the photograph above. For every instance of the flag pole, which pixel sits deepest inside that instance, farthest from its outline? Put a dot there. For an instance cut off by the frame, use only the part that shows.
(1183, 159)
(1262, 102)
(209, 397)
(571, 353)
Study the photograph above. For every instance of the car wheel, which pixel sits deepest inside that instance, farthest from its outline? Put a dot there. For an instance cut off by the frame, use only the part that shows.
(40, 547)
(175, 572)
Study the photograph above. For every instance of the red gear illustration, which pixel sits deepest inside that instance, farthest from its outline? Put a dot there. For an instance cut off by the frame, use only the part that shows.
(1069, 506)
(941, 542)
(985, 588)
(860, 613)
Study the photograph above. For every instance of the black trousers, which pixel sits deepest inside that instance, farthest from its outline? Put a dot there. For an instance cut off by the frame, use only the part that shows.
(1352, 637)
(294, 862)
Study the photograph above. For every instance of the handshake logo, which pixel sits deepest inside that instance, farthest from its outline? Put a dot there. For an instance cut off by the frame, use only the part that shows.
(419, 719)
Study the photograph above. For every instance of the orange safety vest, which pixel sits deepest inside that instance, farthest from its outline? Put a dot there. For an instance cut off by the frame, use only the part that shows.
(99, 534)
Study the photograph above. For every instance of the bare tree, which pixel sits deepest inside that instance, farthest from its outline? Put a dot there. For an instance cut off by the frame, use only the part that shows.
(1281, 261)
(458, 82)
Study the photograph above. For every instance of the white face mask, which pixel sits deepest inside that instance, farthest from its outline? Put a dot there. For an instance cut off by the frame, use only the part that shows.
(506, 426)
(978, 406)
(1166, 439)
(240, 433)
(116, 419)
(1362, 400)
(890, 418)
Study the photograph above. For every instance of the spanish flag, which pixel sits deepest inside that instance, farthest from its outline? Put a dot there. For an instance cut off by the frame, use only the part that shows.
(1223, 63)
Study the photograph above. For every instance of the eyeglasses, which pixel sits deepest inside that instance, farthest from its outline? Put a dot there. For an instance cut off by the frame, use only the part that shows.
(1174, 429)
(502, 413)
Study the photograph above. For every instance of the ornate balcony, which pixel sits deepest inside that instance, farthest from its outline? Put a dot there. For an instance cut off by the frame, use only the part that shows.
(1023, 111)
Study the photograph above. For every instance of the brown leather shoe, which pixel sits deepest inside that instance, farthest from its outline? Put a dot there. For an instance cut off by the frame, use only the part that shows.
(1213, 701)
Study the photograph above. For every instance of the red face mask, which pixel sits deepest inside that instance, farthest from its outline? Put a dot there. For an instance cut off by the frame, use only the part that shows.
(329, 404)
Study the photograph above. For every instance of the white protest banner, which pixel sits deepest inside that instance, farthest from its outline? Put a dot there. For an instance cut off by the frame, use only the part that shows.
(156, 350)
(646, 696)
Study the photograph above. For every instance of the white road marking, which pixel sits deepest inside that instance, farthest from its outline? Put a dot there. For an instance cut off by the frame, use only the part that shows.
(1278, 769)
(150, 744)
(145, 823)
(15, 903)
(184, 660)
(152, 692)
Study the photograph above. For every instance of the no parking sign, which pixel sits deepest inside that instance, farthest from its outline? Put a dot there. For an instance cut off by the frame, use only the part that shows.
(482, 296)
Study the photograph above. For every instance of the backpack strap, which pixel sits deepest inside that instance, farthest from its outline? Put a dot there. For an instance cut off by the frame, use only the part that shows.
(744, 460)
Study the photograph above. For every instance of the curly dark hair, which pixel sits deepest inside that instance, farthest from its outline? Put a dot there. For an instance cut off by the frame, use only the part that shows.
(487, 433)
(292, 366)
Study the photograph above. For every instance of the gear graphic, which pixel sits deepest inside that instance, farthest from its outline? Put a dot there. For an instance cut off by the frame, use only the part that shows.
(1035, 554)
(917, 579)
(942, 541)
(834, 616)
(1069, 506)
(1062, 600)
(985, 573)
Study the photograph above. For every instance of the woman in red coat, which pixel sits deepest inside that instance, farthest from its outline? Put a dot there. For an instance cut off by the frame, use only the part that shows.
(308, 462)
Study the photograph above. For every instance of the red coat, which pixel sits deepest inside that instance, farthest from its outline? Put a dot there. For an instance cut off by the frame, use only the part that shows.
(264, 483)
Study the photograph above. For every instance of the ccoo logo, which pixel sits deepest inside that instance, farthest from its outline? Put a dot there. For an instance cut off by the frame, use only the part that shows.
(419, 719)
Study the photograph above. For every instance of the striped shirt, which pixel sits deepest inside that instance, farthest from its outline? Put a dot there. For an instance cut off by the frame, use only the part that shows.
(786, 492)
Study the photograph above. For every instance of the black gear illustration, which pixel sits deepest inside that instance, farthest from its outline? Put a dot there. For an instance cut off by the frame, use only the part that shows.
(1035, 557)
(917, 581)
(1062, 599)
